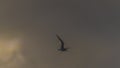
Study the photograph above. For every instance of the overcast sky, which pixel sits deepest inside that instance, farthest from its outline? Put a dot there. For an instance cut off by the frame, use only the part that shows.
(89, 28)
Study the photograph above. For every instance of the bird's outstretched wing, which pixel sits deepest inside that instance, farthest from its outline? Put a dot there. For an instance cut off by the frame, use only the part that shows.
(61, 41)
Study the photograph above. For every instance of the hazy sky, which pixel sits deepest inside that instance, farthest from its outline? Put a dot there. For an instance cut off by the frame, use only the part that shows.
(90, 28)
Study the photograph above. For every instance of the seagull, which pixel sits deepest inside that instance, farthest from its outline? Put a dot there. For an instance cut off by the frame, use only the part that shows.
(62, 48)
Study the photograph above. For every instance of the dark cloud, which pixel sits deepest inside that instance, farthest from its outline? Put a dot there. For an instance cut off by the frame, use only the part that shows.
(89, 28)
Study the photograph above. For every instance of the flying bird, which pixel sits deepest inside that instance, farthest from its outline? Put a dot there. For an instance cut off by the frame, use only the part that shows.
(62, 48)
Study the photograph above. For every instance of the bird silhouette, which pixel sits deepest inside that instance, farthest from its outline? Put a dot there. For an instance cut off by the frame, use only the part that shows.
(62, 48)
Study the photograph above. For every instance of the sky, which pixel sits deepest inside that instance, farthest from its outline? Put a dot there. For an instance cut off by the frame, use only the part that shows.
(89, 28)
